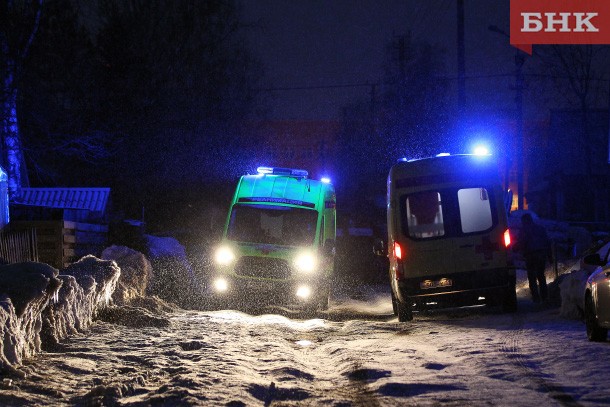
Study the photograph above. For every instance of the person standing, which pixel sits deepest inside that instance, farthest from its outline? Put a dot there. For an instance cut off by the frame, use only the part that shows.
(533, 242)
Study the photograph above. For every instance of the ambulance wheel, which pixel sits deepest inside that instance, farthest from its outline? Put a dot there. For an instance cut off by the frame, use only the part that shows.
(509, 302)
(394, 304)
(405, 313)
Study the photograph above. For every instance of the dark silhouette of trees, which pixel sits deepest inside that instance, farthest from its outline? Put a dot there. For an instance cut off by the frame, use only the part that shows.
(63, 133)
(177, 82)
(406, 116)
(148, 97)
(19, 21)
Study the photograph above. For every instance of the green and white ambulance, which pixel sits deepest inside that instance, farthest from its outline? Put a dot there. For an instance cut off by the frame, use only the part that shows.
(448, 238)
(278, 243)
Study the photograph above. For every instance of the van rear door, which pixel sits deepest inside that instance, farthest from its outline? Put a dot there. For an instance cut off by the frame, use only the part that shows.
(427, 252)
(479, 233)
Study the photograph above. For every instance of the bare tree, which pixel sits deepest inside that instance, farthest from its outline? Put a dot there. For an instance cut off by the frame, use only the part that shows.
(19, 21)
(573, 68)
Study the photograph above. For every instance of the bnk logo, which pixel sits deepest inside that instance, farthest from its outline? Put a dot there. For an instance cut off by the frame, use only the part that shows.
(559, 22)
(533, 22)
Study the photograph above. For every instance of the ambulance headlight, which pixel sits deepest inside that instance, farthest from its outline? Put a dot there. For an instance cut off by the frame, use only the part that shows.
(221, 285)
(306, 262)
(303, 292)
(224, 256)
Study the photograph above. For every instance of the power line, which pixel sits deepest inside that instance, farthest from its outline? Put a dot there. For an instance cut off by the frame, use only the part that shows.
(309, 87)
(442, 78)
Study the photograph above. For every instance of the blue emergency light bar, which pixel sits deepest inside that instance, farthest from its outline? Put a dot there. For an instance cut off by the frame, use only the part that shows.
(282, 171)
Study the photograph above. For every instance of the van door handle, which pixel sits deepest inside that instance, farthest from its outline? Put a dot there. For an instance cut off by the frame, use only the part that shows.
(464, 246)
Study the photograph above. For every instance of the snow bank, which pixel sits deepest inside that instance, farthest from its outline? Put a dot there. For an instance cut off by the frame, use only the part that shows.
(572, 288)
(136, 273)
(87, 288)
(98, 277)
(27, 289)
(173, 276)
(39, 307)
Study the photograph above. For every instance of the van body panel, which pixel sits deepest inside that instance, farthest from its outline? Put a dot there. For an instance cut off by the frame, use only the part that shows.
(447, 214)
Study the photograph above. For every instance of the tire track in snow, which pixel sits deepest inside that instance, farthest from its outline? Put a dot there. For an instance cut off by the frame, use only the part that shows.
(345, 376)
(511, 347)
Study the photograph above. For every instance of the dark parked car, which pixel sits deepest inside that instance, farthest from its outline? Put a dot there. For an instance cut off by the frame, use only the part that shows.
(597, 294)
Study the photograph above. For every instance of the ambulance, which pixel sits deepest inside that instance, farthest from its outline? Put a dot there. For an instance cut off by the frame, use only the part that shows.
(278, 243)
(448, 238)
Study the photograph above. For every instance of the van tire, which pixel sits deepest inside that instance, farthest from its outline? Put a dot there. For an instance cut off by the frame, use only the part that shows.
(394, 304)
(405, 313)
(509, 302)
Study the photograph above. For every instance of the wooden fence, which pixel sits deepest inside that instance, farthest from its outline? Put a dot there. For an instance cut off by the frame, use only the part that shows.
(60, 242)
(17, 246)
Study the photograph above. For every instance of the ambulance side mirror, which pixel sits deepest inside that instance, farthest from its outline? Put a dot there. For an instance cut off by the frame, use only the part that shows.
(379, 248)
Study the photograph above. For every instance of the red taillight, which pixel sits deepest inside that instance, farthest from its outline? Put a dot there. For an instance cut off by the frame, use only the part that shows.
(397, 251)
(506, 238)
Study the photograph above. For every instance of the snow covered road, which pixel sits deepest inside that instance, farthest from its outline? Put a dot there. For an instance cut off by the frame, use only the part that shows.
(356, 354)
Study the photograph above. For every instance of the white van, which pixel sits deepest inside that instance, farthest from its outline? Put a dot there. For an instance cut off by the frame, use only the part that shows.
(448, 239)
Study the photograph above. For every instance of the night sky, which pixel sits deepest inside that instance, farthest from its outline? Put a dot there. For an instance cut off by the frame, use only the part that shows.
(330, 43)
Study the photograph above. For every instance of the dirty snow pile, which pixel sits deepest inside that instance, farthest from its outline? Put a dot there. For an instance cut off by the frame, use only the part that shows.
(40, 305)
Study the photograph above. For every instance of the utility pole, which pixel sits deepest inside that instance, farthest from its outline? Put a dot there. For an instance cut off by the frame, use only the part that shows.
(461, 61)
(519, 61)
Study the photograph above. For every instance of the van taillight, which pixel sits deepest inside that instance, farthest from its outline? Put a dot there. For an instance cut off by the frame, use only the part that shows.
(506, 238)
(397, 251)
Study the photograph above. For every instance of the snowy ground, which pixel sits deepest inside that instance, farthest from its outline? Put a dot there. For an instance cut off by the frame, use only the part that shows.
(355, 354)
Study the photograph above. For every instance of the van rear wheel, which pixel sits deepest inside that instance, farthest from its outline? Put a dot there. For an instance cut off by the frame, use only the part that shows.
(404, 311)
(394, 304)
(509, 302)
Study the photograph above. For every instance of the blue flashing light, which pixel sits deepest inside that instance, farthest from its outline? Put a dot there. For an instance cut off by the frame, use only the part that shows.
(325, 180)
(265, 170)
(282, 171)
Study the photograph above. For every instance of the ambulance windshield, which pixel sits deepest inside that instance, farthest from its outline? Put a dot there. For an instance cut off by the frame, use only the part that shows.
(272, 224)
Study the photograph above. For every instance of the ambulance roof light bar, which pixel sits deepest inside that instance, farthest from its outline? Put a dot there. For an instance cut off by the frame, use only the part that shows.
(283, 171)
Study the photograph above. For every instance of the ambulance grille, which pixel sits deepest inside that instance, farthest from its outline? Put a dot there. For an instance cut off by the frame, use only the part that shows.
(250, 266)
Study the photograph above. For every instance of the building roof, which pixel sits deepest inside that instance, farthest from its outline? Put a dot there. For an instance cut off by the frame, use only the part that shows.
(92, 199)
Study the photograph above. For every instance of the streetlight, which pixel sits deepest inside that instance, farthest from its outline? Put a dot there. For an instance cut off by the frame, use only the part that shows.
(519, 61)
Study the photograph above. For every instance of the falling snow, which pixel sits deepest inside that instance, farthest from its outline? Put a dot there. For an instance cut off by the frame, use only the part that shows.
(67, 341)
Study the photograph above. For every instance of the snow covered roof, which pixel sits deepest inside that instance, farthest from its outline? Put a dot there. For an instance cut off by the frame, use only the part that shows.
(92, 199)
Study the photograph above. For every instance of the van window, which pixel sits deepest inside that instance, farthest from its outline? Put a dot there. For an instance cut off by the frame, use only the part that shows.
(425, 214)
(475, 210)
(270, 224)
